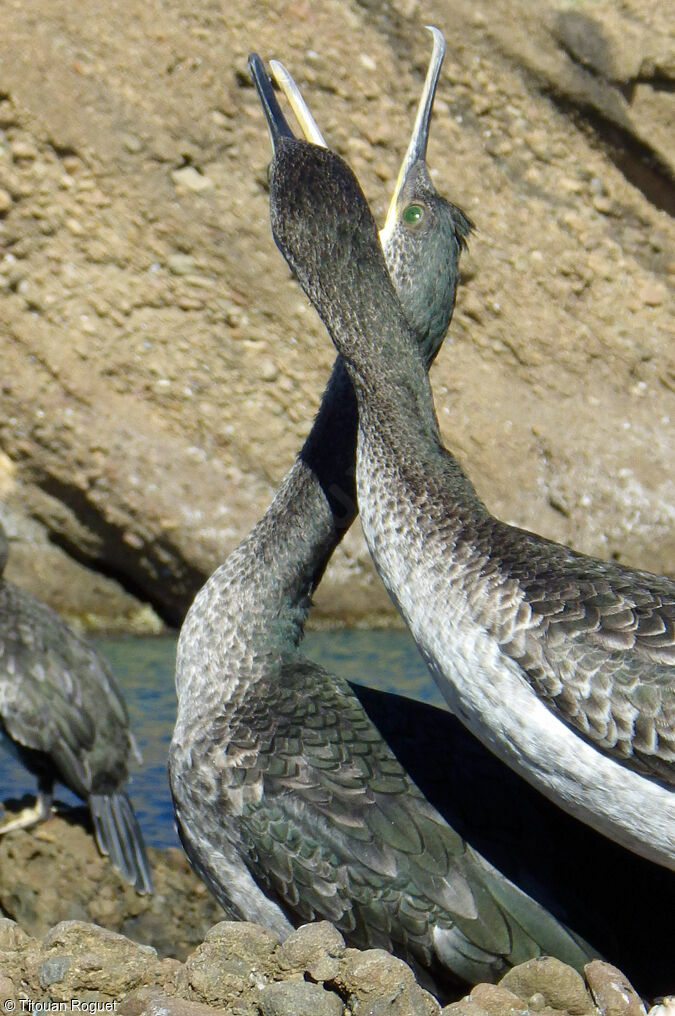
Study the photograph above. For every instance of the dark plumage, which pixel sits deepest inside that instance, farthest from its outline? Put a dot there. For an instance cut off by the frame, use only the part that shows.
(562, 664)
(617, 900)
(289, 803)
(62, 713)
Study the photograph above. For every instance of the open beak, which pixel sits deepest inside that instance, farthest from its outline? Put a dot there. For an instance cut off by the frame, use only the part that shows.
(277, 124)
(300, 109)
(417, 148)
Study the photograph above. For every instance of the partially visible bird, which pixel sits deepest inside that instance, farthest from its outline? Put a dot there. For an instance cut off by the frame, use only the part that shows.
(614, 898)
(561, 664)
(63, 715)
(289, 803)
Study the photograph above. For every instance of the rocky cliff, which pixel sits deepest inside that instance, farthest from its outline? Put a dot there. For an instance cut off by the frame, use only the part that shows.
(159, 366)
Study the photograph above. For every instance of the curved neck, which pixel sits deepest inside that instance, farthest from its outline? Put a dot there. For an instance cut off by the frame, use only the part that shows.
(266, 583)
(329, 451)
(387, 368)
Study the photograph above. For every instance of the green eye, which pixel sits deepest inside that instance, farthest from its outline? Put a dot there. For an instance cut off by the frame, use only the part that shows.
(413, 214)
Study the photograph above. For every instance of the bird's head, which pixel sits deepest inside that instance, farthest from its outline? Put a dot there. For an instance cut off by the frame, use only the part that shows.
(422, 239)
(424, 234)
(318, 212)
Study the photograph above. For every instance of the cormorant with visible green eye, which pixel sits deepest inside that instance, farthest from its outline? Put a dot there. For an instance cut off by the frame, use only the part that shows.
(288, 801)
(562, 664)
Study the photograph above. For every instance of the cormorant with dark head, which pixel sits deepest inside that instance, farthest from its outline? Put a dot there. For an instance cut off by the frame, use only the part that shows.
(289, 803)
(63, 714)
(562, 664)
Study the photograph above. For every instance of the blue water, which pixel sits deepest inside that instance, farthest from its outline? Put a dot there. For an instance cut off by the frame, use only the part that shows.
(144, 668)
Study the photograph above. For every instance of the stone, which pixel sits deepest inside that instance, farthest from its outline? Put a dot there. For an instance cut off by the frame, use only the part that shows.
(8, 991)
(233, 963)
(495, 999)
(603, 204)
(653, 293)
(76, 957)
(561, 986)
(180, 264)
(53, 969)
(313, 949)
(23, 151)
(613, 993)
(191, 179)
(298, 998)
(268, 369)
(150, 1002)
(664, 1008)
(379, 984)
(465, 1007)
(12, 936)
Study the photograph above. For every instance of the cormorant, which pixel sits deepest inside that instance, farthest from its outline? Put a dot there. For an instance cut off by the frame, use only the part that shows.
(561, 664)
(289, 803)
(560, 861)
(63, 715)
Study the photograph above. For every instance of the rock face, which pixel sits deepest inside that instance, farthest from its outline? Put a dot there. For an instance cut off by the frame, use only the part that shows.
(159, 366)
(54, 873)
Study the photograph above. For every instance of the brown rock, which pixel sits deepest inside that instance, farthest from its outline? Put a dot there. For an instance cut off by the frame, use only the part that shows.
(76, 957)
(298, 999)
(562, 987)
(151, 1002)
(232, 965)
(465, 1007)
(140, 484)
(613, 993)
(55, 873)
(314, 949)
(495, 999)
(377, 983)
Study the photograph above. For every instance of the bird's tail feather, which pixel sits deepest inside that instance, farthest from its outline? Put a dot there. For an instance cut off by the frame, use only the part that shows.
(119, 837)
(531, 924)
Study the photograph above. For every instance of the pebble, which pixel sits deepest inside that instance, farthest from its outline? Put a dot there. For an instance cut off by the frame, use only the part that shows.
(5, 201)
(300, 999)
(132, 143)
(75, 953)
(470, 303)
(268, 369)
(603, 204)
(180, 264)
(234, 959)
(241, 968)
(74, 227)
(613, 993)
(465, 1007)
(562, 987)
(6, 991)
(23, 150)
(375, 982)
(12, 936)
(191, 179)
(151, 1002)
(496, 999)
(312, 949)
(653, 294)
